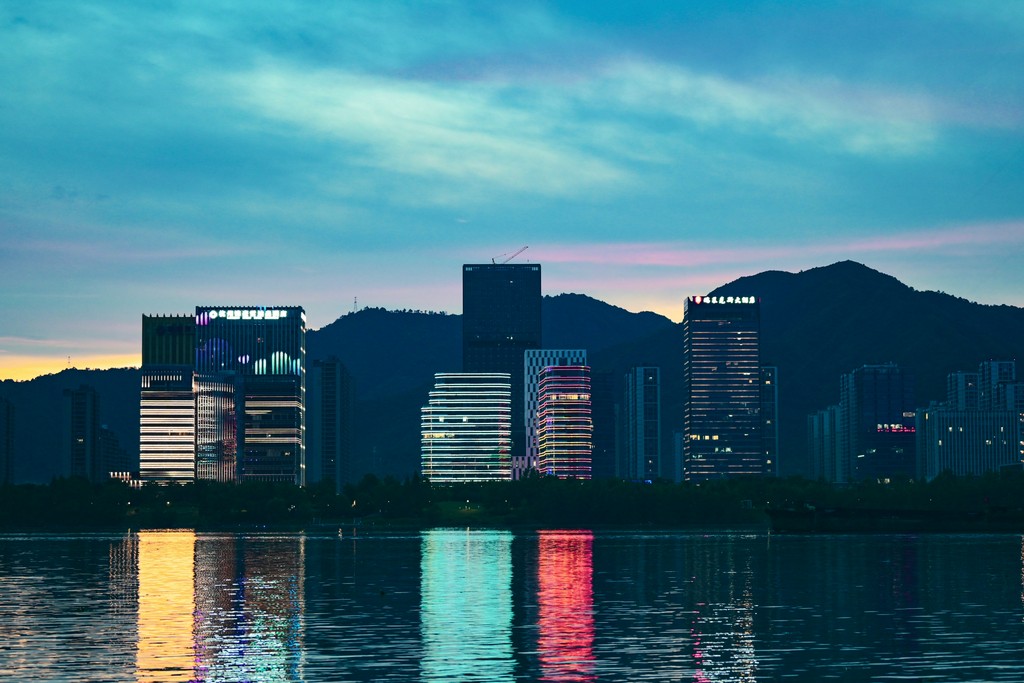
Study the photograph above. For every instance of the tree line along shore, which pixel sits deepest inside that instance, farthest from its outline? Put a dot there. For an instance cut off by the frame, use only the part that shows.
(948, 503)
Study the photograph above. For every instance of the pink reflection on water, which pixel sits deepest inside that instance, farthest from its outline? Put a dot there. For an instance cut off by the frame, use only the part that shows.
(565, 594)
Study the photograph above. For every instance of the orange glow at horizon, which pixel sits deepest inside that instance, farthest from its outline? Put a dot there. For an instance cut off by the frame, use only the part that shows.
(22, 367)
(565, 595)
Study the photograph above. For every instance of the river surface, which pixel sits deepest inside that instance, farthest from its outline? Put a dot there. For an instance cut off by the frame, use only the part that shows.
(465, 605)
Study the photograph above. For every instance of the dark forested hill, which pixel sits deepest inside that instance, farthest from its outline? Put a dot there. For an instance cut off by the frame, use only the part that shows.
(821, 323)
(39, 420)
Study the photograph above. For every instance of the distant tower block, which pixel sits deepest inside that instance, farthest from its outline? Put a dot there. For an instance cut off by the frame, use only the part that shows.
(722, 375)
(501, 320)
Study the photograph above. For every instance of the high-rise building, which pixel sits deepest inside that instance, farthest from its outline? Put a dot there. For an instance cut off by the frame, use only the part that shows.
(823, 443)
(965, 442)
(265, 348)
(329, 416)
(876, 424)
(167, 425)
(216, 442)
(642, 408)
(991, 374)
(272, 430)
(534, 360)
(81, 444)
(770, 417)
(167, 410)
(564, 422)
(6, 442)
(980, 427)
(962, 390)
(722, 383)
(604, 402)
(91, 450)
(501, 319)
(113, 457)
(465, 428)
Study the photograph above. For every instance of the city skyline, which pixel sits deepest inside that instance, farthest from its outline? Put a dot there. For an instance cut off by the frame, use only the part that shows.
(348, 156)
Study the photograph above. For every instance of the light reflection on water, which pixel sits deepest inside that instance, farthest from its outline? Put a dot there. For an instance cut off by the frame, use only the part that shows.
(460, 605)
(565, 596)
(466, 598)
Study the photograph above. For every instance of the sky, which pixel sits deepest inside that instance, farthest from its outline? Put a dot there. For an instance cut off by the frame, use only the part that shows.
(155, 156)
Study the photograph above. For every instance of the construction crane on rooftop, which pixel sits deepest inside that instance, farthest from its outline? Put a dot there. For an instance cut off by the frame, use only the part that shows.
(495, 261)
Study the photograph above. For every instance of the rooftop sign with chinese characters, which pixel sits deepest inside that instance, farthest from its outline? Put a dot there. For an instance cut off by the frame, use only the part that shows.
(723, 300)
(205, 315)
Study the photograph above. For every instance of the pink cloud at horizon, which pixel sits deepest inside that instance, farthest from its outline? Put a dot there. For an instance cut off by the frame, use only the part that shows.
(695, 254)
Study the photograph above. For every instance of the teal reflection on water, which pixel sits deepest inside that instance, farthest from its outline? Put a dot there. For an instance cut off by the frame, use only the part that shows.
(466, 605)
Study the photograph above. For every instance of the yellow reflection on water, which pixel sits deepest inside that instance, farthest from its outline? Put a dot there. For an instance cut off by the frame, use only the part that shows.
(166, 603)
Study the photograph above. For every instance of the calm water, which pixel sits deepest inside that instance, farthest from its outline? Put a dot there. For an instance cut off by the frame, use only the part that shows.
(458, 605)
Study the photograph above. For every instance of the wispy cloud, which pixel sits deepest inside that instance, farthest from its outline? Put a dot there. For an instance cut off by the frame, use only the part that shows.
(424, 129)
(824, 112)
(563, 139)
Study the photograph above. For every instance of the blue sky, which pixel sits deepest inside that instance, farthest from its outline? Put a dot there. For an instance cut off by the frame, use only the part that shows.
(155, 156)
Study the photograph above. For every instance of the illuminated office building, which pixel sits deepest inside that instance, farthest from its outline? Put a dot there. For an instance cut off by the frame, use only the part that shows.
(564, 422)
(167, 425)
(722, 431)
(265, 349)
(216, 438)
(501, 320)
(534, 360)
(643, 423)
(167, 414)
(466, 428)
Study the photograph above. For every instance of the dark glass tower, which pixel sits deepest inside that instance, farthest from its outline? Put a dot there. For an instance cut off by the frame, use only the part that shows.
(330, 402)
(722, 376)
(643, 422)
(877, 429)
(500, 321)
